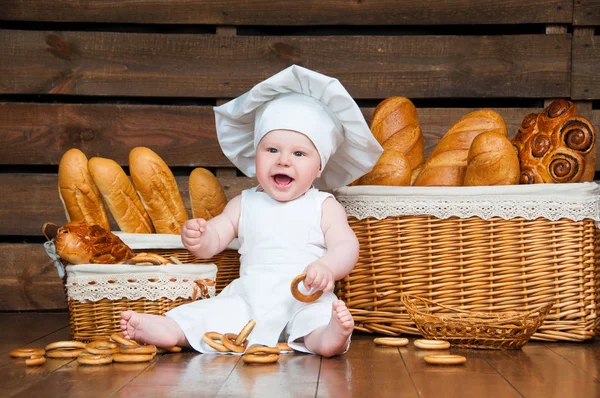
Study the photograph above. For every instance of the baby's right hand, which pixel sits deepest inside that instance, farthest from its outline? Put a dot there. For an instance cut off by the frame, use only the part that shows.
(192, 234)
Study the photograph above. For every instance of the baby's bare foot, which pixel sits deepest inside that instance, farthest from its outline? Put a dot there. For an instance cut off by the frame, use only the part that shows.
(152, 329)
(332, 339)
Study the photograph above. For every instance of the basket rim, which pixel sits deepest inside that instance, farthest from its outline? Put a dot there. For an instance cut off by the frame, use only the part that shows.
(541, 310)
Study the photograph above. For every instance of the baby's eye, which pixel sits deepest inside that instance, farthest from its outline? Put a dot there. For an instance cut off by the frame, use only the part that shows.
(298, 153)
(272, 150)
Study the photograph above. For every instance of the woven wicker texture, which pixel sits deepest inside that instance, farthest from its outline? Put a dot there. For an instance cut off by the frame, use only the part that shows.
(500, 330)
(98, 320)
(228, 263)
(476, 265)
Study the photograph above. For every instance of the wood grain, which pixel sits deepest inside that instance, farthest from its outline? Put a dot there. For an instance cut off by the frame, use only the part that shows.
(475, 378)
(215, 66)
(184, 136)
(538, 371)
(311, 12)
(585, 80)
(366, 370)
(39, 134)
(28, 279)
(586, 12)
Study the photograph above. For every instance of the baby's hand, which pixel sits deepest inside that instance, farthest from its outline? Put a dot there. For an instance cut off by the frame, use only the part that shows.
(319, 277)
(192, 234)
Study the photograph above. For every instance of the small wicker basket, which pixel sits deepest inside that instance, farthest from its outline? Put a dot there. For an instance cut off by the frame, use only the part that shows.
(498, 330)
(99, 318)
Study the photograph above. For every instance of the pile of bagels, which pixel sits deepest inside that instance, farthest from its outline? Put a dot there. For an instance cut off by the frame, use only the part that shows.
(97, 352)
(556, 145)
(148, 203)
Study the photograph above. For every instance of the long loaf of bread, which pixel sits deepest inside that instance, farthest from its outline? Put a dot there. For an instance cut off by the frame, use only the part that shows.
(392, 169)
(158, 190)
(447, 164)
(207, 197)
(396, 127)
(78, 193)
(120, 196)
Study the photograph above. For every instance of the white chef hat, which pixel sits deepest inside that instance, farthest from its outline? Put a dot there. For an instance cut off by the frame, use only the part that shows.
(308, 102)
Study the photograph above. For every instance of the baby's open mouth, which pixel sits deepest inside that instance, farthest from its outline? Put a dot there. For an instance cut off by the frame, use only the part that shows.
(282, 179)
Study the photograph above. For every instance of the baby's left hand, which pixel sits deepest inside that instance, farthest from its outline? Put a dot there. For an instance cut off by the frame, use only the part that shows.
(319, 277)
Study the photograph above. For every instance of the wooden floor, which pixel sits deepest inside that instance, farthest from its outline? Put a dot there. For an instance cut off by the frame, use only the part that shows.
(538, 370)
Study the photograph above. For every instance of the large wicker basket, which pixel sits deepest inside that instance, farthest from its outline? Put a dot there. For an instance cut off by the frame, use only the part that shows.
(489, 249)
(482, 330)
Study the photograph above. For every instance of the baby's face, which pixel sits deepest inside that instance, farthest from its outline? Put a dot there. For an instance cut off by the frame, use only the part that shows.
(287, 163)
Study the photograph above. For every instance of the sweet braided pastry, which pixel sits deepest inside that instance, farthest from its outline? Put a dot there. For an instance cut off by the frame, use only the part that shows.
(556, 145)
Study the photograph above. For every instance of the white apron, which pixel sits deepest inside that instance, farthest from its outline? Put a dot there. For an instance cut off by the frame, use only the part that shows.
(277, 241)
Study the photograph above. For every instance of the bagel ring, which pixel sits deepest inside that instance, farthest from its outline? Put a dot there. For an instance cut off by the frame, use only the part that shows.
(138, 349)
(260, 358)
(132, 358)
(262, 350)
(301, 296)
(243, 335)
(119, 339)
(65, 344)
(35, 360)
(210, 339)
(284, 347)
(445, 359)
(173, 349)
(432, 344)
(391, 341)
(227, 340)
(27, 352)
(65, 352)
(94, 359)
(100, 347)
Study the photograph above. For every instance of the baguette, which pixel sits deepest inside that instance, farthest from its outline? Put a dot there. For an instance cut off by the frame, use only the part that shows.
(492, 160)
(158, 190)
(78, 193)
(207, 198)
(396, 126)
(392, 115)
(392, 168)
(447, 164)
(120, 196)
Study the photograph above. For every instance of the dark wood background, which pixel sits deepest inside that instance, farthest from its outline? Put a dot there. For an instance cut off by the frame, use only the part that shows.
(107, 76)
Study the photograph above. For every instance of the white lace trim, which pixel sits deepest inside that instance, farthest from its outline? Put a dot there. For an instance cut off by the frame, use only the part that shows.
(551, 201)
(86, 284)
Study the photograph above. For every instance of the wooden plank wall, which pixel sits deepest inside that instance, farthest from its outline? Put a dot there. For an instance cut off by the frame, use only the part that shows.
(108, 76)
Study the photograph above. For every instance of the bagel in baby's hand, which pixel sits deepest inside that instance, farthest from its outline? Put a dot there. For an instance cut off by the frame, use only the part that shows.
(298, 295)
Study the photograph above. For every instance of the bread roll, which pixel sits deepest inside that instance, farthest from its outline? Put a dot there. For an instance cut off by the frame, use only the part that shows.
(492, 160)
(395, 125)
(120, 196)
(78, 193)
(392, 168)
(447, 164)
(158, 190)
(207, 197)
(556, 146)
(392, 115)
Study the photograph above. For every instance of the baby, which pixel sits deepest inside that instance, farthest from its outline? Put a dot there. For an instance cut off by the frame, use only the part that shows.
(295, 130)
